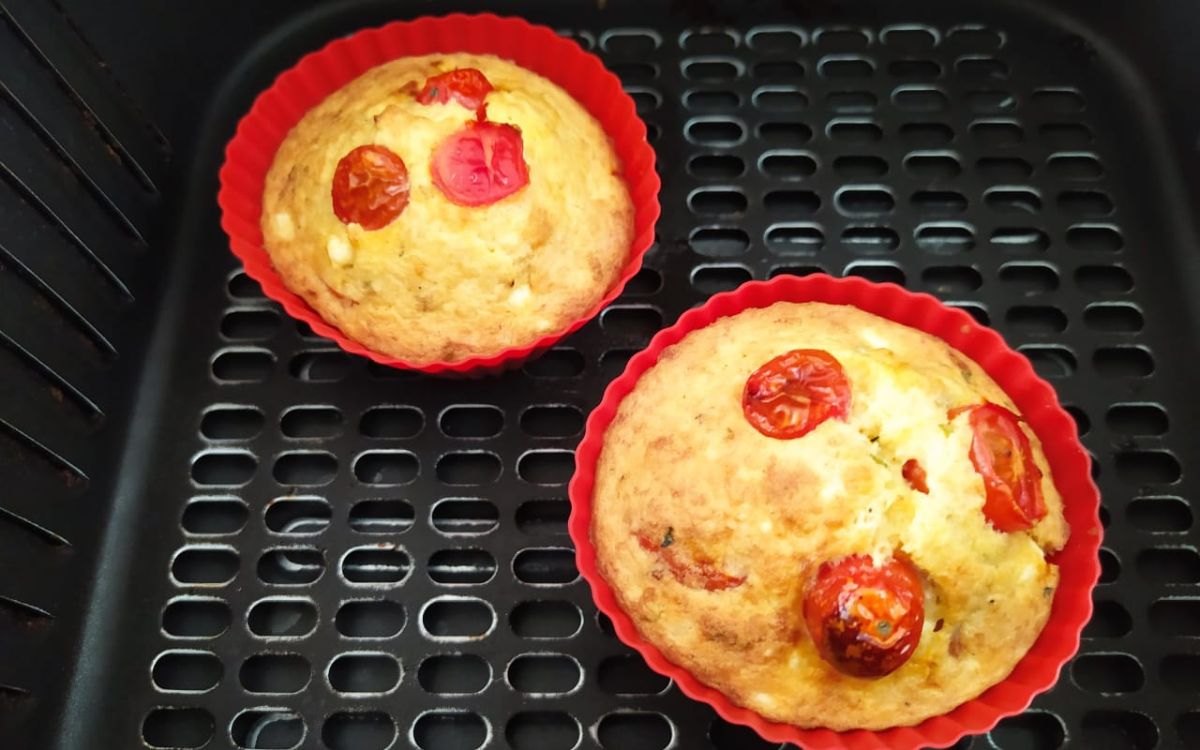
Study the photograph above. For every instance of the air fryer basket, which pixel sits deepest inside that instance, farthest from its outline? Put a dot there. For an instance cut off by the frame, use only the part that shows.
(217, 530)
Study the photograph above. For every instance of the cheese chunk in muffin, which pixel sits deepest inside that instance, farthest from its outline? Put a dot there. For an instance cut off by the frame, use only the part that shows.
(714, 534)
(446, 280)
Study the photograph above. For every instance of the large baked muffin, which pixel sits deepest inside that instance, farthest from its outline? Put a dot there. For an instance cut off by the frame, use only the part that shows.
(447, 206)
(835, 520)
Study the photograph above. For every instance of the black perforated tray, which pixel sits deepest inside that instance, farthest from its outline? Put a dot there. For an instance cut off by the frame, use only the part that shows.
(221, 531)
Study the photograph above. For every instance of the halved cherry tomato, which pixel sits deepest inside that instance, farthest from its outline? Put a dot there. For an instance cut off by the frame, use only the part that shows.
(691, 572)
(864, 619)
(480, 164)
(467, 86)
(794, 392)
(370, 187)
(1002, 456)
(914, 474)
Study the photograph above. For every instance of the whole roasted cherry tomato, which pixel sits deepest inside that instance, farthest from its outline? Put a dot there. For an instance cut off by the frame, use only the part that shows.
(864, 619)
(690, 571)
(914, 474)
(794, 392)
(370, 187)
(467, 86)
(480, 164)
(1003, 458)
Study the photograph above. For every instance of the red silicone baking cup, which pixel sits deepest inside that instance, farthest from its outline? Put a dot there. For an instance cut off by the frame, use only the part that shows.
(1070, 464)
(318, 74)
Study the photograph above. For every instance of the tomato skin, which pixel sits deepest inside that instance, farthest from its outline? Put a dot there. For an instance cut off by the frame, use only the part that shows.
(914, 474)
(1003, 458)
(370, 187)
(691, 572)
(467, 86)
(480, 164)
(865, 620)
(793, 393)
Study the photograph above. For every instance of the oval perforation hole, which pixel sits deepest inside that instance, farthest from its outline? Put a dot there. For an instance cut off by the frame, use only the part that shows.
(243, 365)
(205, 566)
(869, 240)
(241, 286)
(552, 421)
(713, 279)
(634, 72)
(1109, 620)
(775, 39)
(791, 69)
(223, 468)
(634, 322)
(1032, 730)
(1019, 240)
(1085, 203)
(1066, 135)
(442, 730)
(716, 167)
(980, 67)
(282, 618)
(479, 421)
(726, 736)
(1123, 362)
(298, 515)
(454, 674)
(358, 730)
(196, 617)
(364, 673)
(1003, 169)
(546, 467)
(267, 729)
(542, 730)
(978, 312)
(381, 565)
(1181, 673)
(1082, 422)
(382, 516)
(1038, 320)
(851, 102)
(932, 165)
(1050, 361)
(1176, 616)
(644, 99)
(1097, 238)
(712, 101)
(549, 566)
(311, 422)
(915, 68)
(305, 468)
(1029, 278)
(543, 516)
(845, 66)
(854, 131)
(1160, 514)
(544, 619)
(926, 134)
(1171, 565)
(793, 202)
(1119, 729)
(719, 242)
(231, 423)
(939, 202)
(544, 674)
(864, 201)
(779, 98)
(1103, 280)
(186, 671)
(461, 566)
(370, 618)
(713, 131)
(785, 165)
(1012, 200)
(712, 68)
(717, 202)
(386, 467)
(628, 675)
(1113, 318)
(249, 325)
(634, 730)
(645, 281)
(709, 40)
(990, 101)
(1108, 673)
(469, 468)
(613, 362)
(214, 516)
(946, 280)
(878, 272)
(630, 42)
(319, 366)
(1075, 166)
(391, 422)
(177, 728)
(794, 238)
(457, 619)
(279, 674)
(291, 566)
(991, 134)
(464, 517)
(945, 238)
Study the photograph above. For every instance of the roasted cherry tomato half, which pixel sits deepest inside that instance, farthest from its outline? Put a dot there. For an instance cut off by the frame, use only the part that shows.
(865, 619)
(914, 474)
(480, 164)
(1003, 458)
(692, 572)
(370, 187)
(794, 392)
(467, 86)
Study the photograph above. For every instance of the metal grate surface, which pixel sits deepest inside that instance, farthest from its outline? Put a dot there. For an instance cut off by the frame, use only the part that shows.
(339, 555)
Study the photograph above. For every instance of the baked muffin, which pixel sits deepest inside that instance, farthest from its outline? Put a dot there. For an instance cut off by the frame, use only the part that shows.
(835, 520)
(447, 206)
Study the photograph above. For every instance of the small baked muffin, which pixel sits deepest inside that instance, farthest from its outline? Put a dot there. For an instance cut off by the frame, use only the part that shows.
(835, 520)
(447, 206)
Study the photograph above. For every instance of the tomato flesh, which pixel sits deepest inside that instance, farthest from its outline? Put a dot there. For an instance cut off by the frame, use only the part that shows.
(692, 572)
(370, 187)
(865, 620)
(914, 474)
(467, 86)
(794, 392)
(480, 164)
(1002, 457)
